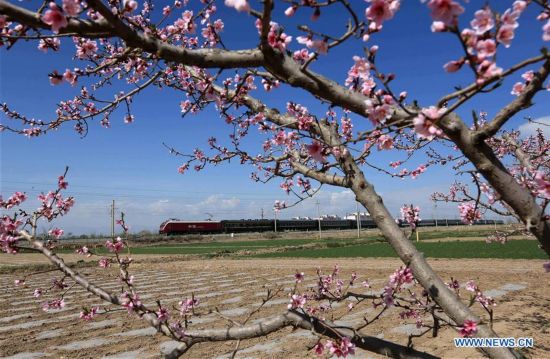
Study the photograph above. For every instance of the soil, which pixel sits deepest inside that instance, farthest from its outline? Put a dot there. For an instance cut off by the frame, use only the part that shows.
(236, 287)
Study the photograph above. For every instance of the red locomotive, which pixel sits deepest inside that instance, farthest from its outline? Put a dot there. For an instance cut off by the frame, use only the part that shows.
(175, 226)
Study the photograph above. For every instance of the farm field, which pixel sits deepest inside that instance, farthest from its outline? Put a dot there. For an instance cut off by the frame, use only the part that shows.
(433, 243)
(235, 288)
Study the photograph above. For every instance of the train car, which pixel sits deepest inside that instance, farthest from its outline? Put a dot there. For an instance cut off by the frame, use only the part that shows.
(247, 225)
(328, 224)
(297, 225)
(174, 226)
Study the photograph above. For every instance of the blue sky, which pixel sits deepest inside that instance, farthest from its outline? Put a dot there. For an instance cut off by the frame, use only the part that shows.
(128, 163)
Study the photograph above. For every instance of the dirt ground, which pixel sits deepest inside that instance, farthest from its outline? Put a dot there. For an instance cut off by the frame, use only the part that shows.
(236, 287)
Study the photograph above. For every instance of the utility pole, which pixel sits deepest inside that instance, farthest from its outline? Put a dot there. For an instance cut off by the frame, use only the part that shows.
(318, 217)
(358, 218)
(262, 213)
(113, 219)
(275, 220)
(435, 213)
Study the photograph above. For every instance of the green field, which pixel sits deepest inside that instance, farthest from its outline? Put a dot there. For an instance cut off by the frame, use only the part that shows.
(518, 249)
(443, 243)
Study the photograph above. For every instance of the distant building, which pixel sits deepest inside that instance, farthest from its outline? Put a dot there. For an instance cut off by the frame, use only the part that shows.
(328, 217)
(362, 216)
(301, 218)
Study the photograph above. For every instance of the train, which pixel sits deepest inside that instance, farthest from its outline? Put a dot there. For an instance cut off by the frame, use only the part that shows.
(177, 227)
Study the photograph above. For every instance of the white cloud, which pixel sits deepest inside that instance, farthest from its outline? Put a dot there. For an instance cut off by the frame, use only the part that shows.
(530, 128)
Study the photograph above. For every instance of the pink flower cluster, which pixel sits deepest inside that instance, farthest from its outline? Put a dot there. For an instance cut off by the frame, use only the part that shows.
(88, 314)
(469, 328)
(297, 301)
(315, 151)
(115, 246)
(340, 349)
(131, 302)
(56, 233)
(380, 11)
(410, 215)
(188, 305)
(276, 38)
(424, 123)
(239, 5)
(446, 11)
(15, 200)
(279, 205)
(469, 212)
(519, 87)
(84, 251)
(53, 304)
(320, 46)
(104, 262)
(542, 182)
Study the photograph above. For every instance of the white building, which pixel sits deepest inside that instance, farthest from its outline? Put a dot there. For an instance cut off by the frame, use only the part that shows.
(362, 216)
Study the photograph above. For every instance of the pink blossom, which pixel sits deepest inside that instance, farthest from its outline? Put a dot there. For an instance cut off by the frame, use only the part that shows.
(85, 49)
(410, 215)
(53, 304)
(385, 142)
(542, 183)
(401, 276)
(115, 246)
(519, 5)
(88, 314)
(321, 46)
(438, 26)
(239, 5)
(128, 118)
(104, 262)
(341, 349)
(55, 18)
(299, 277)
(71, 7)
(69, 76)
(290, 11)
(445, 10)
(318, 349)
(37, 293)
(469, 328)
(130, 302)
(84, 251)
(468, 212)
(518, 88)
(55, 78)
(486, 48)
(546, 31)
(56, 232)
(378, 113)
(471, 286)
(49, 43)
(453, 66)
(19, 282)
(297, 301)
(505, 34)
(315, 151)
(528, 76)
(546, 266)
(486, 70)
(162, 315)
(188, 305)
(61, 183)
(483, 21)
(130, 5)
(381, 10)
(278, 205)
(425, 128)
